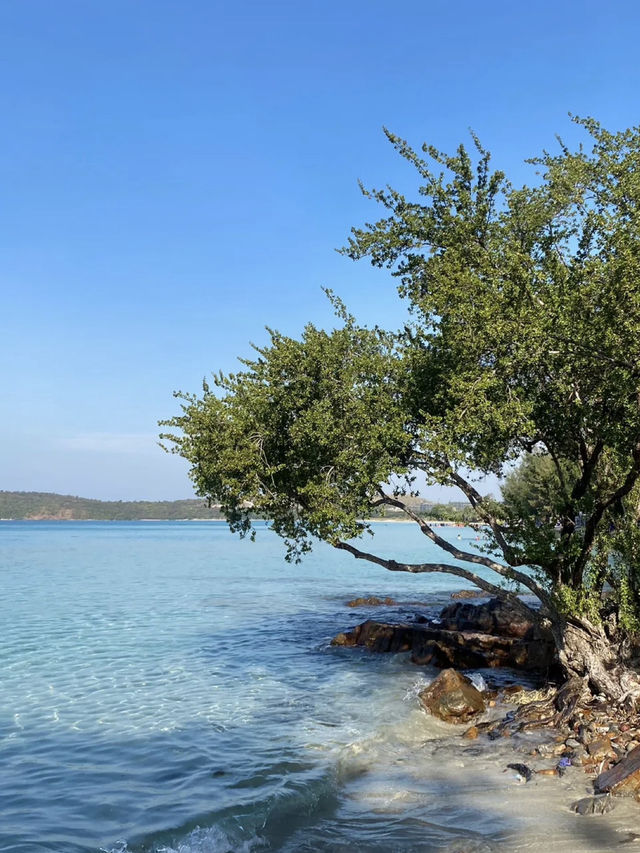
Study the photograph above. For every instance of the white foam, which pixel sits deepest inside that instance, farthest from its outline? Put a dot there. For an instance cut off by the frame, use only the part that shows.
(201, 840)
(212, 840)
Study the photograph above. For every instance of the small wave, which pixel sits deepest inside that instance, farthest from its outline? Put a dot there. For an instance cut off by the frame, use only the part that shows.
(213, 840)
(478, 681)
(415, 688)
(208, 840)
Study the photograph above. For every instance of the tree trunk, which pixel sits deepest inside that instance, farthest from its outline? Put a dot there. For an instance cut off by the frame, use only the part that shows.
(586, 652)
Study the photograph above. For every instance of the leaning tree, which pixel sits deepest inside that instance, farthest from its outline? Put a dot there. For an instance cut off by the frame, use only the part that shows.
(523, 348)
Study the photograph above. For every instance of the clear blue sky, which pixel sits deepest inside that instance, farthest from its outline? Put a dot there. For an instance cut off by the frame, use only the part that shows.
(176, 175)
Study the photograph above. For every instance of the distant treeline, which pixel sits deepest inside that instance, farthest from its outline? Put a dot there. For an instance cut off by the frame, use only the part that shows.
(43, 506)
(459, 512)
(47, 506)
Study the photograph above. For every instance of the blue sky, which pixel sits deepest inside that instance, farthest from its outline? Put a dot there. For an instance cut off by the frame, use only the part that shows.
(176, 175)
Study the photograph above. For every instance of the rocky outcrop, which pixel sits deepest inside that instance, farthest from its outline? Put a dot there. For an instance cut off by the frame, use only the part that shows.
(467, 636)
(452, 698)
(493, 617)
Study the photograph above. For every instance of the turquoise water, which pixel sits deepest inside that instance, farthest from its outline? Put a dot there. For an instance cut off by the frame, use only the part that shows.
(168, 687)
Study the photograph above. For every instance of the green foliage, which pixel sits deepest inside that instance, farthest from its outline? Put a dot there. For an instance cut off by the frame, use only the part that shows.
(304, 435)
(447, 512)
(525, 339)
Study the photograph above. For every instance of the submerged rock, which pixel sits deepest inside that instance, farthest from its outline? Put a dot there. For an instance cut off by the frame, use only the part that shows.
(593, 805)
(468, 593)
(371, 601)
(452, 697)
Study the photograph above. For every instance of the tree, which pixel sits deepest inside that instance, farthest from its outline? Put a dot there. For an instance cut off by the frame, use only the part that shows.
(524, 339)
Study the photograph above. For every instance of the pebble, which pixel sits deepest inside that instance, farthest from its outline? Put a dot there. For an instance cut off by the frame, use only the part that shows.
(599, 748)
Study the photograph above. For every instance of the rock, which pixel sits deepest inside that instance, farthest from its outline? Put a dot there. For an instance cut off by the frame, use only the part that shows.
(600, 748)
(623, 777)
(547, 771)
(501, 619)
(492, 617)
(452, 697)
(441, 647)
(471, 733)
(468, 593)
(371, 601)
(593, 805)
(378, 636)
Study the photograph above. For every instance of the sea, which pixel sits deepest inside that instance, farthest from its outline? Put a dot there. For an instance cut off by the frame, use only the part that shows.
(171, 688)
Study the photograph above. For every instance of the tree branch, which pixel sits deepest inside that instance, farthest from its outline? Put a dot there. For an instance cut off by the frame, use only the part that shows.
(569, 511)
(559, 471)
(442, 568)
(589, 462)
(507, 572)
(476, 500)
(596, 516)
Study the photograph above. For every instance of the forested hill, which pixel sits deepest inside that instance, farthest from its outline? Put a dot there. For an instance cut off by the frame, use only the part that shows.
(47, 506)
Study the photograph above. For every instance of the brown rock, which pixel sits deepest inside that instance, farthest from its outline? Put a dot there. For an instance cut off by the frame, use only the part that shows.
(599, 748)
(548, 771)
(377, 636)
(471, 733)
(431, 644)
(452, 697)
(467, 593)
(492, 617)
(371, 601)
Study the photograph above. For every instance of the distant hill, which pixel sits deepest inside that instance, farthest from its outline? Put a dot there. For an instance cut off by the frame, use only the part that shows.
(46, 506)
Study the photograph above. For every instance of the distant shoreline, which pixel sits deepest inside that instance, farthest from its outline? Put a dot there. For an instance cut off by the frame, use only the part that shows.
(50, 506)
(433, 522)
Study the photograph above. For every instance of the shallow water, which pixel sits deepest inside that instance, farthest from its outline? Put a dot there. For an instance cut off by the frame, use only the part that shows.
(167, 687)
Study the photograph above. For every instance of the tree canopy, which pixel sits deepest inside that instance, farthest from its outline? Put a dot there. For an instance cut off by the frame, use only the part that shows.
(524, 342)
